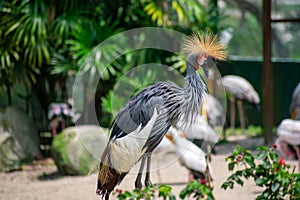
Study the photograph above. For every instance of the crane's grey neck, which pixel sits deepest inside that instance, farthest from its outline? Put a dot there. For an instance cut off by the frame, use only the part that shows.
(190, 61)
(193, 93)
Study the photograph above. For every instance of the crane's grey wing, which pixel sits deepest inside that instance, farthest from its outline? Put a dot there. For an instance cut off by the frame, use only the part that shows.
(158, 132)
(137, 112)
(165, 102)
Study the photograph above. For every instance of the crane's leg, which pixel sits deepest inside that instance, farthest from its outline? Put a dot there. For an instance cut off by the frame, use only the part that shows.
(207, 171)
(107, 195)
(138, 182)
(241, 114)
(232, 113)
(147, 178)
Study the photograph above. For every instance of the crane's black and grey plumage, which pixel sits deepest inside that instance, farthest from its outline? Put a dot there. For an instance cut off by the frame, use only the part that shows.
(142, 123)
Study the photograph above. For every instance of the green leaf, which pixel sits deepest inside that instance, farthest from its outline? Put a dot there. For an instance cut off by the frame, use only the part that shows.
(179, 10)
(261, 181)
(235, 152)
(172, 196)
(238, 180)
(273, 156)
(239, 173)
(164, 190)
(261, 155)
(262, 148)
(231, 158)
(247, 173)
(275, 186)
(249, 159)
(231, 166)
(227, 184)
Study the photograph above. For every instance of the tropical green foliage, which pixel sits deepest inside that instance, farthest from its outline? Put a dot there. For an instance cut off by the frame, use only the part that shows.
(32, 33)
(45, 42)
(147, 193)
(194, 189)
(268, 170)
(24, 46)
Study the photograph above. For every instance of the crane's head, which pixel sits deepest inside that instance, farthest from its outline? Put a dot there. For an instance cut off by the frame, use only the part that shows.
(201, 49)
(198, 61)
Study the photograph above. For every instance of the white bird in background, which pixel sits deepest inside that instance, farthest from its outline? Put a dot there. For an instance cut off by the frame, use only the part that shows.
(191, 156)
(213, 110)
(288, 141)
(200, 132)
(295, 104)
(238, 88)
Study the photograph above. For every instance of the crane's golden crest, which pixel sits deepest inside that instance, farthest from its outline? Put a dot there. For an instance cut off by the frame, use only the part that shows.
(205, 43)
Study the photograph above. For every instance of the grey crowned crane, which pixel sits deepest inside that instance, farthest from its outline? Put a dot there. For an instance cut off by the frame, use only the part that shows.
(145, 119)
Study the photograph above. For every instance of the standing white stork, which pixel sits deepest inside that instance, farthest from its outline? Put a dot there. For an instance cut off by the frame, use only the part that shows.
(191, 156)
(144, 120)
(288, 140)
(295, 104)
(238, 88)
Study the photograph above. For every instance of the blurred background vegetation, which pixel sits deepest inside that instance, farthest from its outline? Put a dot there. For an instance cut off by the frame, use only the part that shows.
(43, 43)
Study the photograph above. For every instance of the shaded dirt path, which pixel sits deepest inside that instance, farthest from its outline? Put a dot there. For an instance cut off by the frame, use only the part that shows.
(41, 180)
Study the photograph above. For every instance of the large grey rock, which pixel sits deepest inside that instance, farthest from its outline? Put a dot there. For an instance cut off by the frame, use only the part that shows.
(77, 150)
(19, 141)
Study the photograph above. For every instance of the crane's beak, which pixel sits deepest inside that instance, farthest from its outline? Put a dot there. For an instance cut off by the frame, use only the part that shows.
(202, 61)
(205, 68)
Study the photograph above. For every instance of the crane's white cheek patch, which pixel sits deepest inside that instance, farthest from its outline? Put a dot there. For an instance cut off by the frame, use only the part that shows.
(126, 151)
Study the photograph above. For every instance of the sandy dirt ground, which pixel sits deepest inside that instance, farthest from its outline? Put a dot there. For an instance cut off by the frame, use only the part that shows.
(40, 180)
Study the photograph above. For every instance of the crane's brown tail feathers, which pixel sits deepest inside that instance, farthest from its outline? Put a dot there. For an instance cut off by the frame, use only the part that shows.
(108, 178)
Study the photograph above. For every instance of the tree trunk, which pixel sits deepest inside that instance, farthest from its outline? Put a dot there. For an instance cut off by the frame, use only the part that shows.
(267, 78)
